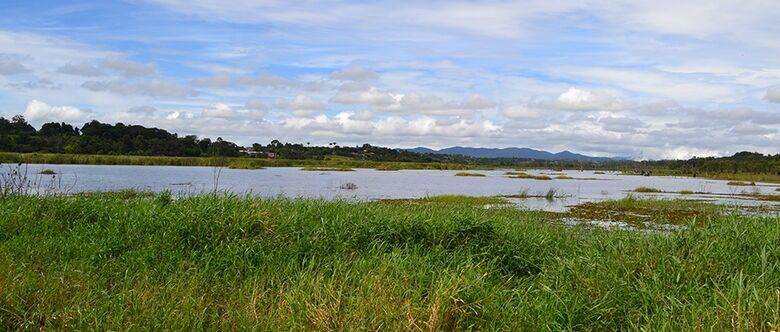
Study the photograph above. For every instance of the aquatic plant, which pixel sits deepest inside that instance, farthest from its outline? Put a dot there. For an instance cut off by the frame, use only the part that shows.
(468, 174)
(523, 175)
(47, 171)
(740, 183)
(647, 190)
(327, 169)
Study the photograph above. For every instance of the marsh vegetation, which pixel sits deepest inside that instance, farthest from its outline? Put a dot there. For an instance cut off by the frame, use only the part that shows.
(106, 262)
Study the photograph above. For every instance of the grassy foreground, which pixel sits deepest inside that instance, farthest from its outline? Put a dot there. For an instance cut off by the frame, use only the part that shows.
(145, 262)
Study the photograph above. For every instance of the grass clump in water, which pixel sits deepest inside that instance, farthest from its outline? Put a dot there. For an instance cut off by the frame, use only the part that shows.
(659, 211)
(524, 175)
(741, 183)
(449, 199)
(327, 169)
(564, 177)
(468, 174)
(47, 171)
(686, 192)
(647, 190)
(231, 263)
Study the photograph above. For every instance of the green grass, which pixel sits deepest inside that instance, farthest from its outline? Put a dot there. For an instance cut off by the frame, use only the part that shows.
(228, 263)
(47, 172)
(686, 192)
(245, 163)
(468, 174)
(646, 190)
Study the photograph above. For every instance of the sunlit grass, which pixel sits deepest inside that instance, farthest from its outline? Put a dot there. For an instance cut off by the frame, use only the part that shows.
(232, 263)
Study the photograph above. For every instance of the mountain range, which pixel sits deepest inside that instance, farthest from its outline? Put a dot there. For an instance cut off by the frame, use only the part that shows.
(521, 153)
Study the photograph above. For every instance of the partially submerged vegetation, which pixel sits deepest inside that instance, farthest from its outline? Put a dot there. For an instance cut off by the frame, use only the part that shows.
(647, 190)
(740, 183)
(327, 169)
(47, 171)
(448, 199)
(550, 194)
(468, 174)
(229, 263)
(657, 211)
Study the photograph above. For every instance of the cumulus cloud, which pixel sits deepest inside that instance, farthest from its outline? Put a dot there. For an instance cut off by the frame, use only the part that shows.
(575, 99)
(152, 88)
(371, 96)
(387, 101)
(301, 105)
(12, 67)
(82, 69)
(520, 111)
(129, 67)
(219, 110)
(38, 111)
(773, 94)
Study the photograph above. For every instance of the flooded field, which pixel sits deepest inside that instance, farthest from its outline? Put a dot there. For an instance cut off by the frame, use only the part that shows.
(530, 190)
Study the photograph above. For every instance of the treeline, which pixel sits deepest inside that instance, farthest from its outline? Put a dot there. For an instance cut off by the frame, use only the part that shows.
(17, 135)
(742, 162)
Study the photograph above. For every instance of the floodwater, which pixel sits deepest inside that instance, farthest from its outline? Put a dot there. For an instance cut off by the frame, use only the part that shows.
(372, 184)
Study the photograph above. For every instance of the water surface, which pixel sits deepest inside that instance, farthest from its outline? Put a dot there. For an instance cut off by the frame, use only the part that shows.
(372, 184)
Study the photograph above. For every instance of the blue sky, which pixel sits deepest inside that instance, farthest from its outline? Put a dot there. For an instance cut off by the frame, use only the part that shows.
(644, 79)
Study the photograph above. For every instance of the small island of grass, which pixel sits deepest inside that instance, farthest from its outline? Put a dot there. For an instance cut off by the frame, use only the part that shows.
(47, 172)
(327, 169)
(468, 174)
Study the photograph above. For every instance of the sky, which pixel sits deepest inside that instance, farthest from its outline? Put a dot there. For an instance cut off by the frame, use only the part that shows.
(629, 78)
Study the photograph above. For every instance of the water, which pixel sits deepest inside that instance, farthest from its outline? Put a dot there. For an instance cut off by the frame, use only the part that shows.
(372, 184)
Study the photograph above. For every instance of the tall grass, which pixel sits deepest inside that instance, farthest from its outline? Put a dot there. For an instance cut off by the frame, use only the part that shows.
(229, 263)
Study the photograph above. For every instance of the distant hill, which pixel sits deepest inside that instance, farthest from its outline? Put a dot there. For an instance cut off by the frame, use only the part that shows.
(522, 153)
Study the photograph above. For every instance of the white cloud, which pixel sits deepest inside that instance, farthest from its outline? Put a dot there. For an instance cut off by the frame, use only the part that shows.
(520, 111)
(12, 67)
(255, 105)
(40, 112)
(153, 88)
(83, 69)
(299, 103)
(129, 67)
(266, 80)
(219, 110)
(578, 99)
(773, 94)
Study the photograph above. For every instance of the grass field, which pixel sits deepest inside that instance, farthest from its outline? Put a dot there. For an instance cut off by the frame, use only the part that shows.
(136, 261)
